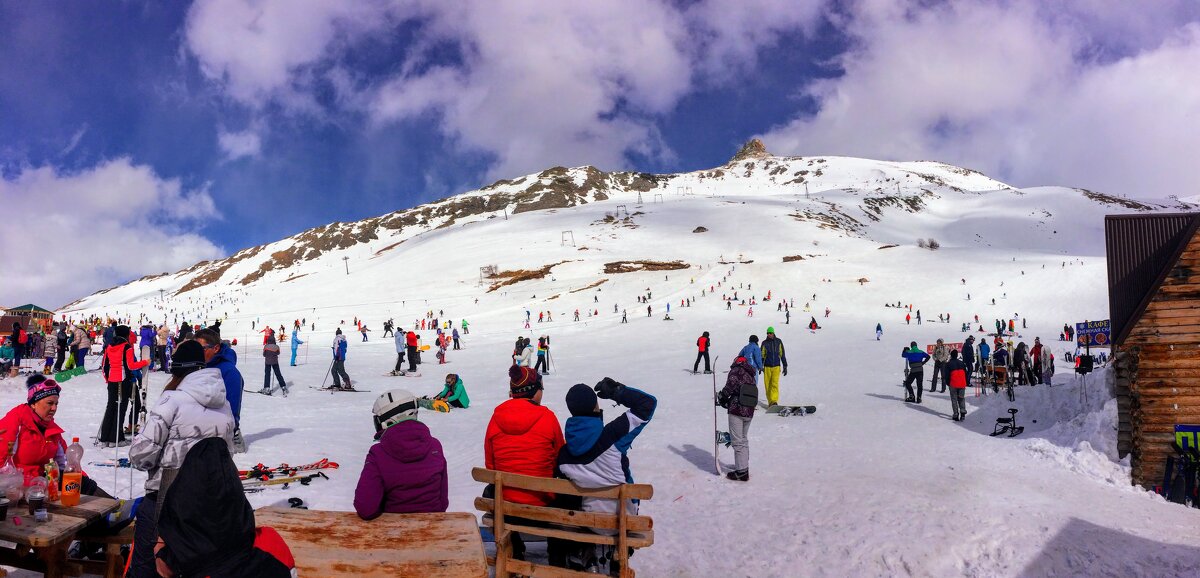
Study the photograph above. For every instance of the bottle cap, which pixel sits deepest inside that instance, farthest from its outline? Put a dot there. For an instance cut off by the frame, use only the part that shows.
(74, 440)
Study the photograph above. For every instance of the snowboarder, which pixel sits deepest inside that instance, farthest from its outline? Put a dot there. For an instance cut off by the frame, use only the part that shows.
(339, 361)
(405, 472)
(914, 372)
(740, 398)
(774, 360)
(703, 343)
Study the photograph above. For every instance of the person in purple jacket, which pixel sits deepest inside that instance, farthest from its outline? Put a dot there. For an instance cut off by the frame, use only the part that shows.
(405, 472)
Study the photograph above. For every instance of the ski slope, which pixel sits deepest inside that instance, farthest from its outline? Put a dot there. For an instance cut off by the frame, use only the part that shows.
(867, 486)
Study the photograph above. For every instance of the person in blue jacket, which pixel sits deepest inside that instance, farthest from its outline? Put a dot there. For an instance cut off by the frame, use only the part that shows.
(339, 361)
(296, 343)
(914, 371)
(753, 354)
(985, 354)
(219, 355)
(596, 455)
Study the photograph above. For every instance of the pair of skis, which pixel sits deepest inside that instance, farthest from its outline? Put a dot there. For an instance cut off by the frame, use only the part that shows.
(252, 486)
(261, 472)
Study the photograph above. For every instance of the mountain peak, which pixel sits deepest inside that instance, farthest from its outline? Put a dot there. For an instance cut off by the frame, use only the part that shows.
(753, 149)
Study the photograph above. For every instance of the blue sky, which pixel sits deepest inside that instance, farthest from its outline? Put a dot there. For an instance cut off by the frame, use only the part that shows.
(202, 128)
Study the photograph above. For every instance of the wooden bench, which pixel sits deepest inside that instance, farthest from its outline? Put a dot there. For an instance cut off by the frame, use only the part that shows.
(574, 525)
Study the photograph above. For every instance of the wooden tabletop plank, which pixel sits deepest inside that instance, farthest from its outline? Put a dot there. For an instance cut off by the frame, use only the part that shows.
(90, 508)
(341, 544)
(57, 529)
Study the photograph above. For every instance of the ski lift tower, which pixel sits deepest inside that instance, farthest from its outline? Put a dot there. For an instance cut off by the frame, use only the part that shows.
(346, 260)
(658, 198)
(486, 272)
(567, 236)
(624, 209)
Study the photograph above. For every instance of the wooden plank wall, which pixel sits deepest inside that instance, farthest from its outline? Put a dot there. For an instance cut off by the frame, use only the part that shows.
(1164, 385)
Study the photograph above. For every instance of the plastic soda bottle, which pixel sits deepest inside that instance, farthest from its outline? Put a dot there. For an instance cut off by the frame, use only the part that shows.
(51, 481)
(73, 478)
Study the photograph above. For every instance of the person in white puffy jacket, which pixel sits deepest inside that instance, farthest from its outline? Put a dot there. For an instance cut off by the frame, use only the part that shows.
(191, 408)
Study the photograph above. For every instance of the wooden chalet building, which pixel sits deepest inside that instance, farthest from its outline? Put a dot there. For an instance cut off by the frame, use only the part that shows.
(1154, 305)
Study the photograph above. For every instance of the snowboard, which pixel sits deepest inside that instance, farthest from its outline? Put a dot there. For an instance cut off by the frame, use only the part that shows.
(716, 432)
(433, 404)
(790, 410)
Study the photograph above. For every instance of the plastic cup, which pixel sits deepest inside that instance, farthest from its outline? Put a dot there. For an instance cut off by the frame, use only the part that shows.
(4, 508)
(41, 515)
(36, 503)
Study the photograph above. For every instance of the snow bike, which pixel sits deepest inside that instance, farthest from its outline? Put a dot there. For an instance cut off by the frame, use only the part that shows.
(1008, 425)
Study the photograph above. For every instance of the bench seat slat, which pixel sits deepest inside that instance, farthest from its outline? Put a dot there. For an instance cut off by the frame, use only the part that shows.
(556, 486)
(636, 539)
(566, 517)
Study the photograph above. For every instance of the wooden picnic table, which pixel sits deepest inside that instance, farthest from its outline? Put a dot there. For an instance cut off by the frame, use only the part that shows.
(49, 540)
(442, 545)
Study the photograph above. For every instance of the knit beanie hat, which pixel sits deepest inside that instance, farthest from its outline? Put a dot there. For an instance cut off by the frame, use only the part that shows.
(523, 381)
(188, 357)
(43, 390)
(581, 400)
(753, 339)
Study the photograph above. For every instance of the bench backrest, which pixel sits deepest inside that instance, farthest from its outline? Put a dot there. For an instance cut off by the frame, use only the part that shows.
(621, 530)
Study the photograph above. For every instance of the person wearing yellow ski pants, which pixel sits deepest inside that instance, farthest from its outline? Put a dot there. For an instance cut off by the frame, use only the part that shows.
(774, 363)
(771, 377)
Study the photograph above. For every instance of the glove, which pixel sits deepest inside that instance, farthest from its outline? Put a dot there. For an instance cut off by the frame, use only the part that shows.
(608, 388)
(785, 370)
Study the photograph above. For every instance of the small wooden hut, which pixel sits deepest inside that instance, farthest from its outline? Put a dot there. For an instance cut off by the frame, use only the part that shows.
(1154, 305)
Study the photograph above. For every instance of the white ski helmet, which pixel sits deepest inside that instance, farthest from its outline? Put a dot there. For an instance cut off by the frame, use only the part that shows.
(394, 407)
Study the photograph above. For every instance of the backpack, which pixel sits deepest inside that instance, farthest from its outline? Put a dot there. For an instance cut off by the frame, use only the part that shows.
(22, 337)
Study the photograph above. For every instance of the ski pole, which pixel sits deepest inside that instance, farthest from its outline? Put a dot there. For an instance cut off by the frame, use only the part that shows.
(327, 374)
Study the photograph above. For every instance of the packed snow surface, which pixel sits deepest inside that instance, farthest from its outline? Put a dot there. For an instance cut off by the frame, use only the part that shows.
(866, 486)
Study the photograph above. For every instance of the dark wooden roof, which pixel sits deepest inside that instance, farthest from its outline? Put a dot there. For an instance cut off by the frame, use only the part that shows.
(1142, 249)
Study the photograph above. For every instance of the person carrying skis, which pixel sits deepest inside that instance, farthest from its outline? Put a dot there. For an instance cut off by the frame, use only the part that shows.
(703, 344)
(339, 361)
(296, 343)
(740, 398)
(596, 454)
(774, 357)
(914, 372)
(957, 370)
(941, 355)
(405, 470)
(191, 408)
(753, 354)
(522, 437)
(118, 367)
(454, 393)
(271, 363)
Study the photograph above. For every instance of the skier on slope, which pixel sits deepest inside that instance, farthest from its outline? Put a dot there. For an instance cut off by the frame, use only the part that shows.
(296, 343)
(405, 471)
(915, 372)
(595, 455)
(740, 398)
(271, 363)
(542, 366)
(339, 362)
(703, 344)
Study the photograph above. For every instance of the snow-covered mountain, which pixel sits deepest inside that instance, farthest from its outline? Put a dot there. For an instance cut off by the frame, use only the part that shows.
(573, 222)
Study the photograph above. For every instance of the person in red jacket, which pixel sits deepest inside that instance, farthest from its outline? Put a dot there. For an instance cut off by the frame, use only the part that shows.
(31, 426)
(703, 344)
(117, 367)
(523, 437)
(410, 342)
(957, 371)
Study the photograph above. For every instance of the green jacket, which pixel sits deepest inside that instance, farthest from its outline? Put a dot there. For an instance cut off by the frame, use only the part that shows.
(459, 394)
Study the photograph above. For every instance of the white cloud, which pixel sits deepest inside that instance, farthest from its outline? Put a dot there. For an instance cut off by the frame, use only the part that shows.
(236, 145)
(1021, 90)
(539, 82)
(95, 228)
